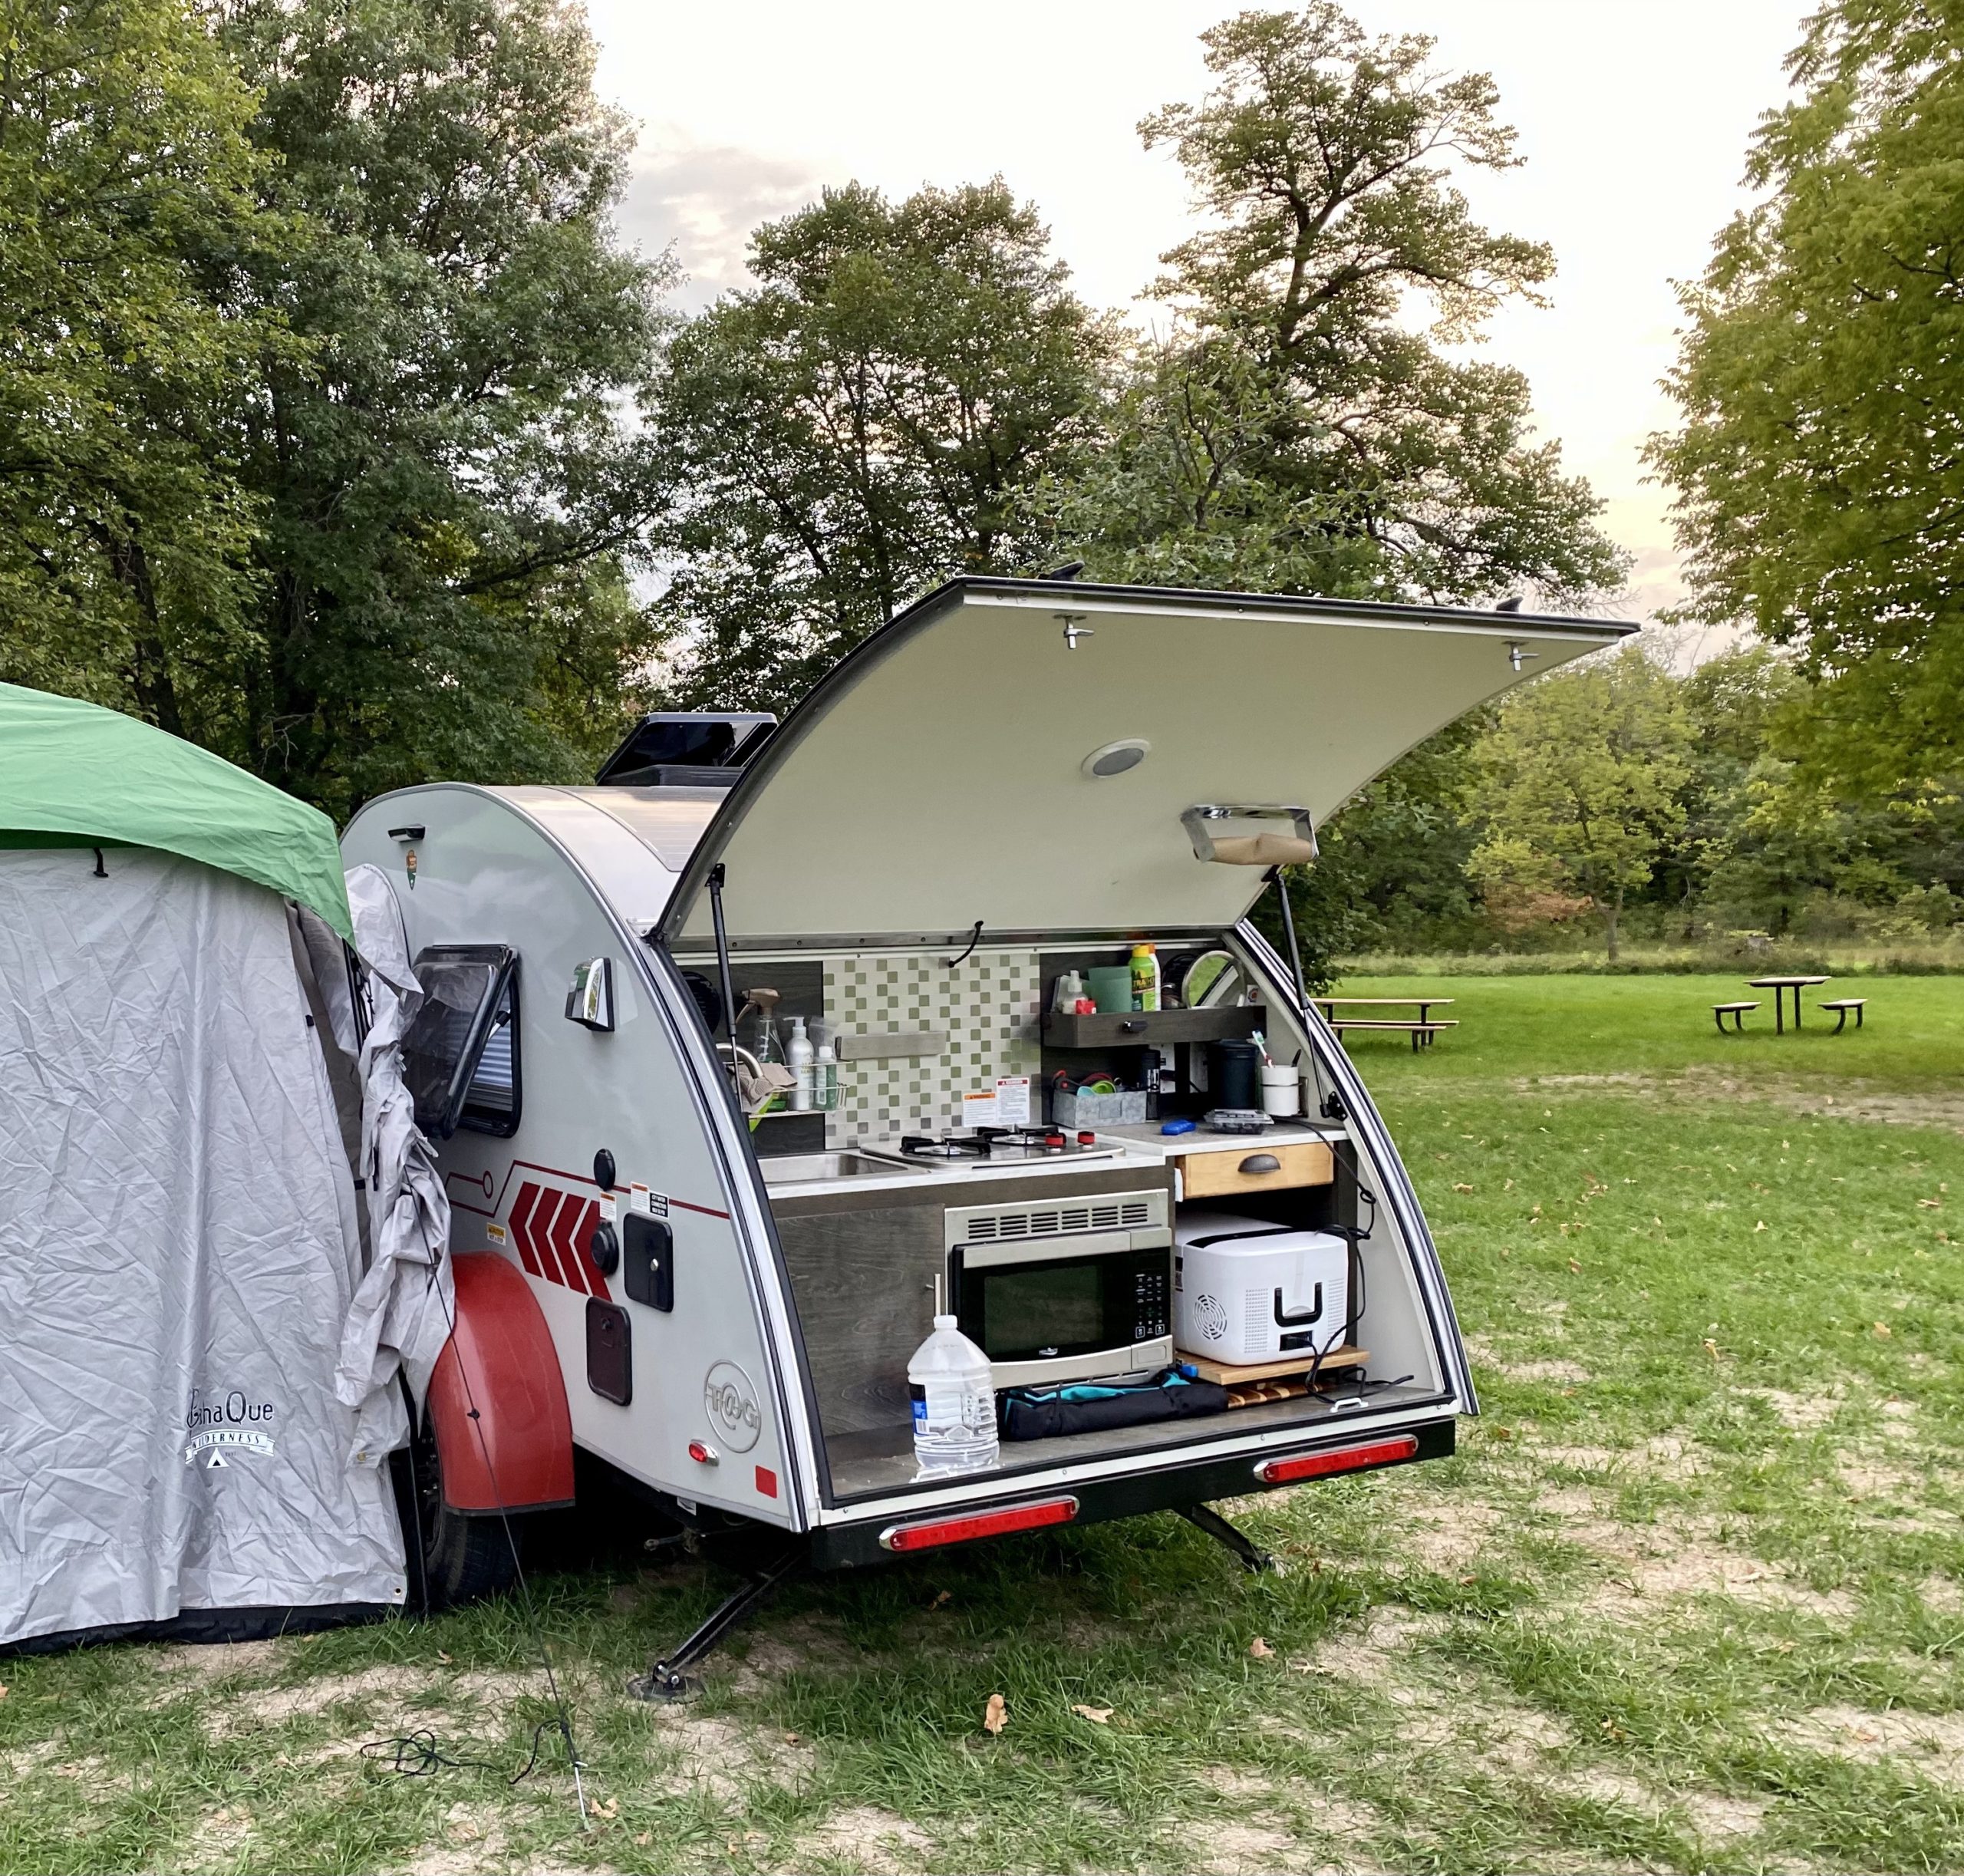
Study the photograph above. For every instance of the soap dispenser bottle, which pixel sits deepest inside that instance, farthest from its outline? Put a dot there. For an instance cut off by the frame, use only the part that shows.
(799, 1057)
(824, 1074)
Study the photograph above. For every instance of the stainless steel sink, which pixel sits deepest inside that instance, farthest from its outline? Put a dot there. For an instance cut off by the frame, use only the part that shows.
(794, 1168)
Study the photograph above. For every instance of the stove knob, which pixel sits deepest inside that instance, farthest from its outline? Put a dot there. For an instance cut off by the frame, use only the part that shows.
(1087, 1139)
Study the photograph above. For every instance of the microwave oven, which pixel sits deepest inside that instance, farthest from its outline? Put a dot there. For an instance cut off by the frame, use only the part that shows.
(1069, 1290)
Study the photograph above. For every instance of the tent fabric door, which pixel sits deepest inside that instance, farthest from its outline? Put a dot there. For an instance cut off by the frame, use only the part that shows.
(178, 1250)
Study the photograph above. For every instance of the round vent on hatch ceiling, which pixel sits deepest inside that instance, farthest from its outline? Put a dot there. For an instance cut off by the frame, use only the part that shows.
(1116, 758)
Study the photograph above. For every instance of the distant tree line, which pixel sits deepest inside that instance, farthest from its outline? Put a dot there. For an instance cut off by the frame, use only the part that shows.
(339, 433)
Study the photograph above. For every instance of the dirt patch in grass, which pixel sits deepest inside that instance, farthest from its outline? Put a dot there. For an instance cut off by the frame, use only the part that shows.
(1932, 1744)
(726, 1758)
(1243, 1850)
(1843, 1098)
(389, 1691)
(875, 1840)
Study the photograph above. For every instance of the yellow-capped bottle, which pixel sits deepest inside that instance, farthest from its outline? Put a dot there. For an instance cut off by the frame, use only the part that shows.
(1146, 977)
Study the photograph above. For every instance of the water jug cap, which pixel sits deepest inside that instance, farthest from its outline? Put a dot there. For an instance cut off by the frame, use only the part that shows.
(944, 1322)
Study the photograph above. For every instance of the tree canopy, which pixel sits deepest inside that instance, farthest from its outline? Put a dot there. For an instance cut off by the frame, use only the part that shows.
(861, 424)
(1820, 466)
(1299, 431)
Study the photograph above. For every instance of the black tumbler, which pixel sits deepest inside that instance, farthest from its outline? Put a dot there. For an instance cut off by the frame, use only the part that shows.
(1233, 1073)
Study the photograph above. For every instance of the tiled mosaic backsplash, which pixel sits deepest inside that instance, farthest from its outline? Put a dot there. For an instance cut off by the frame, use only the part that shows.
(988, 1008)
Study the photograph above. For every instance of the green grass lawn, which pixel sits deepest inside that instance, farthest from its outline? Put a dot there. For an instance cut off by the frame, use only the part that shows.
(1689, 1598)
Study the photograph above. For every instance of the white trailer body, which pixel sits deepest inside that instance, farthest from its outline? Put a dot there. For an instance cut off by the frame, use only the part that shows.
(1000, 785)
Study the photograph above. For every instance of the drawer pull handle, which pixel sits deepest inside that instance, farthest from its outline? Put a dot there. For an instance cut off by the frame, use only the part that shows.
(1261, 1162)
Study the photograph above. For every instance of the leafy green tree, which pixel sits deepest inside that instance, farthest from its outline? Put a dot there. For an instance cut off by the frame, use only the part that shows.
(1821, 464)
(1391, 871)
(1299, 432)
(123, 521)
(450, 493)
(861, 424)
(1581, 783)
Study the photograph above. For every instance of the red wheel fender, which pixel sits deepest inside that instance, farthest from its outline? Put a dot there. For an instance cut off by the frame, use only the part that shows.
(518, 1452)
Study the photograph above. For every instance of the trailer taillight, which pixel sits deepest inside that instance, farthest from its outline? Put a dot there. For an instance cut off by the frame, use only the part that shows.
(928, 1536)
(1338, 1459)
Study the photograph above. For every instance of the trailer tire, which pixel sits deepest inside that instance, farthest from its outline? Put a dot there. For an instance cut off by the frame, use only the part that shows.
(455, 1556)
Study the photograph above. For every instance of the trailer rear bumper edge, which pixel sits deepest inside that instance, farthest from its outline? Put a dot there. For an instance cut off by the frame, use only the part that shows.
(1129, 1494)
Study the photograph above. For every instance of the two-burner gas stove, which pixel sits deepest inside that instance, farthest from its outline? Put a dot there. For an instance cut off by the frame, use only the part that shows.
(999, 1146)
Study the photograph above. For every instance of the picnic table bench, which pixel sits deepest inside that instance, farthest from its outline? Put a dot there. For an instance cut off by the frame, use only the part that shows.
(1423, 1029)
(1736, 1011)
(1841, 1006)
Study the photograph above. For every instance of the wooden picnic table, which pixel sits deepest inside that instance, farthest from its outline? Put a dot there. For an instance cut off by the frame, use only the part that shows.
(1423, 1030)
(1780, 985)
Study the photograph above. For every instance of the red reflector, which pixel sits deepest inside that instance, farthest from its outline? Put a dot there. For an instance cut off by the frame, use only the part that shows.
(767, 1482)
(924, 1537)
(1342, 1459)
(701, 1454)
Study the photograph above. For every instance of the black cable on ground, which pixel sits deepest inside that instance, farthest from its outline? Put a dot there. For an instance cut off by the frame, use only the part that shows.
(418, 1755)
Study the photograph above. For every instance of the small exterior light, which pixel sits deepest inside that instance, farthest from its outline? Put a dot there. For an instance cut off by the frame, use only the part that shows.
(1116, 758)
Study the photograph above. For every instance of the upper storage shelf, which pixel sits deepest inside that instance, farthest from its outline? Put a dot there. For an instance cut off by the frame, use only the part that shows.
(1125, 1029)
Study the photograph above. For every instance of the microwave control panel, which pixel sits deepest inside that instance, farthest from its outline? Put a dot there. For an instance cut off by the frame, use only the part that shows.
(1150, 1296)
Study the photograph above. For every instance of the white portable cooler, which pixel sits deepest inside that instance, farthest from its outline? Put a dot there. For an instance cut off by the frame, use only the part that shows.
(1245, 1290)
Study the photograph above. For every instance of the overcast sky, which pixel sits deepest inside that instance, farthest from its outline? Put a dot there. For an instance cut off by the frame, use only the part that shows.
(1634, 117)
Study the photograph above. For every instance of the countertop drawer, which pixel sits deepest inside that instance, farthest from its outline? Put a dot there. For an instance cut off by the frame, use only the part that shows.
(1209, 1176)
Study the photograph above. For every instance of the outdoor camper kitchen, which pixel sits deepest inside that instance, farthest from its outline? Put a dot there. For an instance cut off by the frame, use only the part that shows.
(939, 999)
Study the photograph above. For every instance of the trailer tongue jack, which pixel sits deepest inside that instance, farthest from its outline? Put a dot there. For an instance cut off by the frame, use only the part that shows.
(667, 1678)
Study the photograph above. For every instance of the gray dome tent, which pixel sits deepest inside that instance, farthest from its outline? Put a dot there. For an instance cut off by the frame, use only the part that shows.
(181, 1254)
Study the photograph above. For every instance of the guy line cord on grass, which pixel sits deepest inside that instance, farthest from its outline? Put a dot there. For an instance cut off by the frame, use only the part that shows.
(418, 1754)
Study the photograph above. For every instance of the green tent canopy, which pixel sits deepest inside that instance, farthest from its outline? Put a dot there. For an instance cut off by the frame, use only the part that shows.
(76, 772)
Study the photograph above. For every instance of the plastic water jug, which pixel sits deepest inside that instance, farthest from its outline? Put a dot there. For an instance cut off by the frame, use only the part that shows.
(955, 1404)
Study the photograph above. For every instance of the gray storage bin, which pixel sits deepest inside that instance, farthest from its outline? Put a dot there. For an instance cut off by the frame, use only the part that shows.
(1069, 1109)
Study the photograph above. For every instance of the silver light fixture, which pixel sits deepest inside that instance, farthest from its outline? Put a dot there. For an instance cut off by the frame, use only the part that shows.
(1116, 758)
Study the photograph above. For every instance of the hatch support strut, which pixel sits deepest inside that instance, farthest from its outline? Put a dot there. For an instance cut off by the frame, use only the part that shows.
(1295, 950)
(715, 877)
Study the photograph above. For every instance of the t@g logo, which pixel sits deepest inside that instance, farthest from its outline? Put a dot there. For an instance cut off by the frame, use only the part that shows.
(731, 1403)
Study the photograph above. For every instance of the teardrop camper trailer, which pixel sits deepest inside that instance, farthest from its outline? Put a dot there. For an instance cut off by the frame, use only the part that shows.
(945, 860)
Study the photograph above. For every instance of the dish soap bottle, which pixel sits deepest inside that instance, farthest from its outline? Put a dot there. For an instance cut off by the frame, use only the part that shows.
(1146, 977)
(953, 1394)
(824, 1074)
(799, 1057)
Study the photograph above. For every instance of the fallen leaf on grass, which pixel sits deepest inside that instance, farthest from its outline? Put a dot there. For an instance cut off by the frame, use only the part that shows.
(943, 1600)
(644, 1839)
(1462, 1189)
(1931, 1204)
(610, 1810)
(1575, 1267)
(1711, 1349)
(1098, 1716)
(1760, 1226)
(1882, 1332)
(447, 1660)
(1260, 1649)
(3, 1690)
(792, 1738)
(996, 1715)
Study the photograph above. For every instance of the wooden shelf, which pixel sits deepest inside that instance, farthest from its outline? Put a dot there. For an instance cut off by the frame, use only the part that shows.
(1290, 1366)
(1129, 1029)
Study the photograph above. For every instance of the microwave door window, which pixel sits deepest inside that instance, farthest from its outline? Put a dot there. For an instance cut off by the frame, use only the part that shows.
(1042, 1309)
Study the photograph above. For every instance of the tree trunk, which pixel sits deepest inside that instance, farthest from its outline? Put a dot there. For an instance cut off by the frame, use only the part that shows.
(150, 666)
(1612, 913)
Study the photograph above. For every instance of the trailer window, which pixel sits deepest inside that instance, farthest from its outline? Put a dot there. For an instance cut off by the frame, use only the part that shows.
(491, 1102)
(466, 988)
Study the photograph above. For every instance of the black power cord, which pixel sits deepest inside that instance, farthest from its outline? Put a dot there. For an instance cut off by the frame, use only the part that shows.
(419, 1755)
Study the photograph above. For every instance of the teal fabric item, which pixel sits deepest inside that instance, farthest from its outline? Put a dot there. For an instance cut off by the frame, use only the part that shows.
(75, 774)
